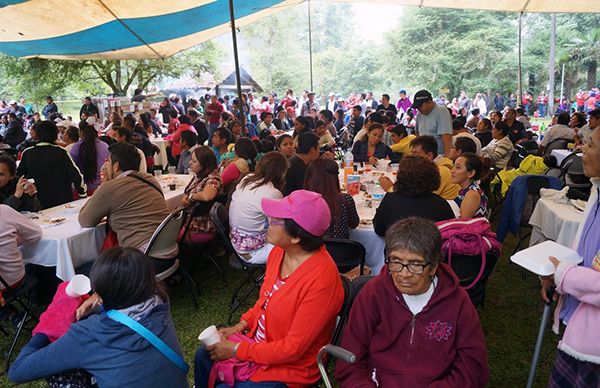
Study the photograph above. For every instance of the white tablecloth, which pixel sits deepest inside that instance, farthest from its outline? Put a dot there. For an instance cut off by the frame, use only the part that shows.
(66, 245)
(560, 155)
(554, 221)
(161, 158)
(174, 197)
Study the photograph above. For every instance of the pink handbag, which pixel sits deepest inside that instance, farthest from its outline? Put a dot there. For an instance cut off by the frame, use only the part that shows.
(233, 370)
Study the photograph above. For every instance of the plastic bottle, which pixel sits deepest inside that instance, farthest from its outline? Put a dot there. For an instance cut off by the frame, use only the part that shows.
(348, 165)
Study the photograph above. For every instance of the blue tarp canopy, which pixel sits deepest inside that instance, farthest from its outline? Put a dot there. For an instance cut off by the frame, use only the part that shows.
(119, 29)
(145, 29)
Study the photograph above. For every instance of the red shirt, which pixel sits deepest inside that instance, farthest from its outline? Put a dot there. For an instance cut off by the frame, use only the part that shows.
(299, 321)
(214, 112)
(580, 98)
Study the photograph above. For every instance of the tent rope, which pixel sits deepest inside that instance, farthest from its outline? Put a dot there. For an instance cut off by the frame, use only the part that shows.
(130, 30)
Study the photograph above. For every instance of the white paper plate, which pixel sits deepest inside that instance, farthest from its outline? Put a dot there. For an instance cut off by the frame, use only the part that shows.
(536, 258)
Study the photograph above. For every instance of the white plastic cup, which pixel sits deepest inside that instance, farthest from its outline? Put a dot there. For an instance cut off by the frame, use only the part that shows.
(210, 336)
(78, 286)
(172, 170)
(382, 164)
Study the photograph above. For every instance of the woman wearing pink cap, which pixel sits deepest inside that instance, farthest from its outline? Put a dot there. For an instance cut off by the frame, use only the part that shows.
(296, 309)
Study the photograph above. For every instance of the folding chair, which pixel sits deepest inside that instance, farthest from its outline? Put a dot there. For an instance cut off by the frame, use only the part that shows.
(557, 144)
(572, 173)
(14, 297)
(164, 241)
(187, 249)
(254, 272)
(347, 254)
(467, 268)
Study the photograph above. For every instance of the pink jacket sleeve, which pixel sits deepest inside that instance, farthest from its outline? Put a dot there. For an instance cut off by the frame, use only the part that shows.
(580, 282)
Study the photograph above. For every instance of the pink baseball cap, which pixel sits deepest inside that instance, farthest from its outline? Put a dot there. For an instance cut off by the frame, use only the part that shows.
(307, 208)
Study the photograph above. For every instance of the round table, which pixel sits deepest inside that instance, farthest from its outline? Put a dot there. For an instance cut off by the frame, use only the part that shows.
(554, 221)
(161, 158)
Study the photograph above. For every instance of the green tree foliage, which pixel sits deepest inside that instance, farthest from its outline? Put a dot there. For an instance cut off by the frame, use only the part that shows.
(454, 49)
(37, 78)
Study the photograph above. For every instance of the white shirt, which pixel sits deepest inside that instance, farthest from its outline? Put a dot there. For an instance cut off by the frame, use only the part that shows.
(416, 303)
(245, 211)
(557, 131)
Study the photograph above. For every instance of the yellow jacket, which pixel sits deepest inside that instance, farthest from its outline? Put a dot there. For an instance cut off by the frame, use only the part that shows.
(531, 165)
(403, 146)
(447, 190)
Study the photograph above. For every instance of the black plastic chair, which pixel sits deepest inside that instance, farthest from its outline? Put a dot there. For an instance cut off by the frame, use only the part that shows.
(254, 272)
(191, 253)
(467, 268)
(572, 172)
(557, 144)
(347, 254)
(14, 297)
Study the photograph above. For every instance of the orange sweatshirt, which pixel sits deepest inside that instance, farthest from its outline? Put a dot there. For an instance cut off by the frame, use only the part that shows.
(299, 320)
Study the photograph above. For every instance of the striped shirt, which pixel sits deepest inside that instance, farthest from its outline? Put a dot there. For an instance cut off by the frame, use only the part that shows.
(261, 332)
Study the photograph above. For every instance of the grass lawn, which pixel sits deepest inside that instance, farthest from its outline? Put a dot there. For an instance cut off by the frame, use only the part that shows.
(510, 320)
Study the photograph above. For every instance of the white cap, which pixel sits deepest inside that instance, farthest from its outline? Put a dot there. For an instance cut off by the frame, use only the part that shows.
(12, 102)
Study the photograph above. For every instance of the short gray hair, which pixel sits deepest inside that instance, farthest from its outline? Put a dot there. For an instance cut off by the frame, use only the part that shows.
(415, 235)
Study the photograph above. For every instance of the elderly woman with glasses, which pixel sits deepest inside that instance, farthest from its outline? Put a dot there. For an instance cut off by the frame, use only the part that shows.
(413, 325)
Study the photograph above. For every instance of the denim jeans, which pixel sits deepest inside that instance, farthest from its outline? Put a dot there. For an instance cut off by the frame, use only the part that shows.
(203, 365)
(542, 109)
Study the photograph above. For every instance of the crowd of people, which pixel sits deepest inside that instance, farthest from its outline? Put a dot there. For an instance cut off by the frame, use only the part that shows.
(276, 164)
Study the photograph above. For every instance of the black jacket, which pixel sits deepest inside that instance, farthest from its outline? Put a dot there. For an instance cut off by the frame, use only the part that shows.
(54, 172)
(395, 207)
(202, 131)
(14, 134)
(25, 203)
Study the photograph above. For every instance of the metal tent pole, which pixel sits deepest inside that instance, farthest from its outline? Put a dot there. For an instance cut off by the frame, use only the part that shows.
(552, 60)
(562, 86)
(310, 48)
(520, 75)
(238, 77)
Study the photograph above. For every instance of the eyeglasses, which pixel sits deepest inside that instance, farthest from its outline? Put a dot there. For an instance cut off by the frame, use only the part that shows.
(397, 266)
(276, 221)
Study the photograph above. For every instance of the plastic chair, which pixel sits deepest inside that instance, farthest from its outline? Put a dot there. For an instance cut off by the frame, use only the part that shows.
(186, 248)
(467, 268)
(557, 144)
(254, 272)
(572, 172)
(347, 254)
(164, 240)
(14, 297)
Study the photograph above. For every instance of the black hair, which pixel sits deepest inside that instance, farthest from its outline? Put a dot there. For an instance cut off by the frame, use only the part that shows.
(189, 137)
(263, 115)
(502, 127)
(307, 141)
(473, 163)
(88, 154)
(400, 130)
(465, 144)
(122, 131)
(281, 138)
(173, 113)
(124, 277)
(358, 107)
(245, 149)
(308, 242)
(595, 113)
(563, 118)
(126, 154)
(475, 111)
(10, 163)
(327, 114)
(385, 95)
(457, 124)
(72, 133)
(427, 144)
(183, 119)
(46, 131)
(319, 123)
(224, 133)
(304, 121)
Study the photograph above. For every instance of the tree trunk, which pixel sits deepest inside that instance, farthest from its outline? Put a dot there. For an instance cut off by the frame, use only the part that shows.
(591, 74)
(119, 89)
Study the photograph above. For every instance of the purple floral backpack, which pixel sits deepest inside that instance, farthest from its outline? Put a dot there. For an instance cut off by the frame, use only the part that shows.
(470, 237)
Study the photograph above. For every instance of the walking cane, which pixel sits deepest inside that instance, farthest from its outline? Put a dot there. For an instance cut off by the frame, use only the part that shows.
(337, 352)
(540, 337)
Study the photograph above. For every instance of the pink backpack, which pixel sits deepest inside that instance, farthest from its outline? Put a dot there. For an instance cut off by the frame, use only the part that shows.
(469, 237)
